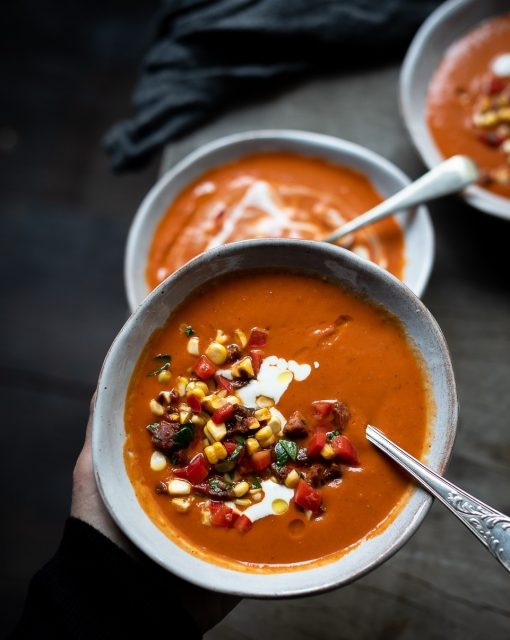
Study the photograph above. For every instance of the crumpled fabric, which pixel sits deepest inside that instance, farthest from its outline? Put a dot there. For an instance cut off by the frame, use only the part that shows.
(209, 55)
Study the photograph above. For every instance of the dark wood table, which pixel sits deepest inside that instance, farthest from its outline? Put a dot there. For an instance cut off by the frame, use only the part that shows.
(442, 584)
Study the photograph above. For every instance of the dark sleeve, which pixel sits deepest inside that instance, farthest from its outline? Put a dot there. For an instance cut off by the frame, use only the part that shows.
(92, 589)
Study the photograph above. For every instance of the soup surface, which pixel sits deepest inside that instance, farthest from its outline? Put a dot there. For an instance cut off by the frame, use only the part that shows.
(261, 458)
(468, 104)
(279, 195)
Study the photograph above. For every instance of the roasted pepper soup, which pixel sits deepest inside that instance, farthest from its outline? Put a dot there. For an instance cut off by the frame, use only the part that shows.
(246, 413)
(468, 104)
(278, 195)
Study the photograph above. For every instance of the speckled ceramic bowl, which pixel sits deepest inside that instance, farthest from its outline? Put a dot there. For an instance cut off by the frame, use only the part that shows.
(385, 176)
(449, 22)
(109, 432)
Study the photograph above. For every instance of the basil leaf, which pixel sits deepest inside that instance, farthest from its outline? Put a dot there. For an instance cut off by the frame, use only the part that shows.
(290, 448)
(152, 427)
(239, 439)
(285, 450)
(184, 436)
(332, 434)
(188, 331)
(235, 453)
(255, 482)
(158, 371)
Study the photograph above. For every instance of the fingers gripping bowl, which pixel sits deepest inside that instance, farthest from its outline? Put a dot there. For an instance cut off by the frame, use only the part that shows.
(294, 259)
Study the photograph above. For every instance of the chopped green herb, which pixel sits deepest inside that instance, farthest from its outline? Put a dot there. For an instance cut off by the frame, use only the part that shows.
(285, 450)
(188, 331)
(184, 436)
(158, 371)
(332, 434)
(165, 357)
(235, 453)
(239, 439)
(152, 427)
(255, 482)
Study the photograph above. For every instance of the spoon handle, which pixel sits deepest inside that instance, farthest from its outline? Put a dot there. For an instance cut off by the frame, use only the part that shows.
(491, 527)
(450, 176)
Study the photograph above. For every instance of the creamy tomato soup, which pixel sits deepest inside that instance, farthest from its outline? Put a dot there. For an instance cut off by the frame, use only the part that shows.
(279, 195)
(245, 421)
(468, 104)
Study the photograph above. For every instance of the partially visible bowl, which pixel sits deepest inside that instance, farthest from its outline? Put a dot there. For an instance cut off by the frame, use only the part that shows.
(445, 25)
(385, 176)
(302, 256)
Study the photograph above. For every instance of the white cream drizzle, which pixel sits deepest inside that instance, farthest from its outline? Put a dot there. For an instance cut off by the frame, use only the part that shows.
(501, 66)
(272, 492)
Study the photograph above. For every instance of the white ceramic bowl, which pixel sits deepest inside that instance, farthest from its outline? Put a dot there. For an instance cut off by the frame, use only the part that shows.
(109, 430)
(385, 176)
(449, 22)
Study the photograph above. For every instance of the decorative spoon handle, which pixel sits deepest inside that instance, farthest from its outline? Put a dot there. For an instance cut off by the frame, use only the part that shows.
(450, 176)
(491, 527)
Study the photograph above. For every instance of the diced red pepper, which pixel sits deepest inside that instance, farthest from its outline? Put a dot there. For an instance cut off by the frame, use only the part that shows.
(344, 450)
(194, 402)
(317, 442)
(230, 447)
(204, 368)
(307, 498)
(257, 355)
(261, 459)
(258, 337)
(322, 408)
(222, 516)
(224, 384)
(224, 413)
(494, 85)
(243, 524)
(196, 471)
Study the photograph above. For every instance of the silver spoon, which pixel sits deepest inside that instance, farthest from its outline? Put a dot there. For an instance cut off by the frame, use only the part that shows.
(491, 527)
(449, 177)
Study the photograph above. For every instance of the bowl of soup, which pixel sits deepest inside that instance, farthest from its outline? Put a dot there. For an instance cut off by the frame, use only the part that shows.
(273, 184)
(229, 426)
(455, 94)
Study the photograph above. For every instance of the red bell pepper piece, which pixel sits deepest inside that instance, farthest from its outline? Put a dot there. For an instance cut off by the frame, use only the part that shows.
(224, 413)
(222, 516)
(224, 384)
(344, 450)
(258, 337)
(317, 442)
(230, 447)
(196, 471)
(194, 402)
(322, 408)
(204, 368)
(494, 85)
(261, 459)
(243, 524)
(307, 498)
(257, 355)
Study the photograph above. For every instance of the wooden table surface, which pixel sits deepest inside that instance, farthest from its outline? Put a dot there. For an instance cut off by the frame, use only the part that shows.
(442, 584)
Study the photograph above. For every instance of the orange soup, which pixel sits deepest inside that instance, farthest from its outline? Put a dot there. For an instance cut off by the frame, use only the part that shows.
(245, 421)
(278, 195)
(468, 104)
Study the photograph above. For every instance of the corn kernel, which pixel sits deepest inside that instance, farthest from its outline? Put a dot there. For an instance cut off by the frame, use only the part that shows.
(275, 425)
(210, 454)
(264, 433)
(193, 347)
(279, 506)
(174, 417)
(206, 517)
(156, 408)
(181, 384)
(198, 393)
(263, 415)
(268, 442)
(252, 445)
(185, 415)
(181, 504)
(232, 400)
(216, 353)
(221, 337)
(158, 461)
(252, 423)
(256, 496)
(264, 401)
(242, 502)
(292, 479)
(328, 452)
(164, 397)
(215, 452)
(241, 338)
(244, 366)
(285, 377)
(197, 384)
(241, 488)
(205, 443)
(177, 487)
(216, 431)
(164, 377)
(197, 420)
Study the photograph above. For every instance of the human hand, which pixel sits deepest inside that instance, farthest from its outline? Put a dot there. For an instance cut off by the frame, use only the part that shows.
(88, 506)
